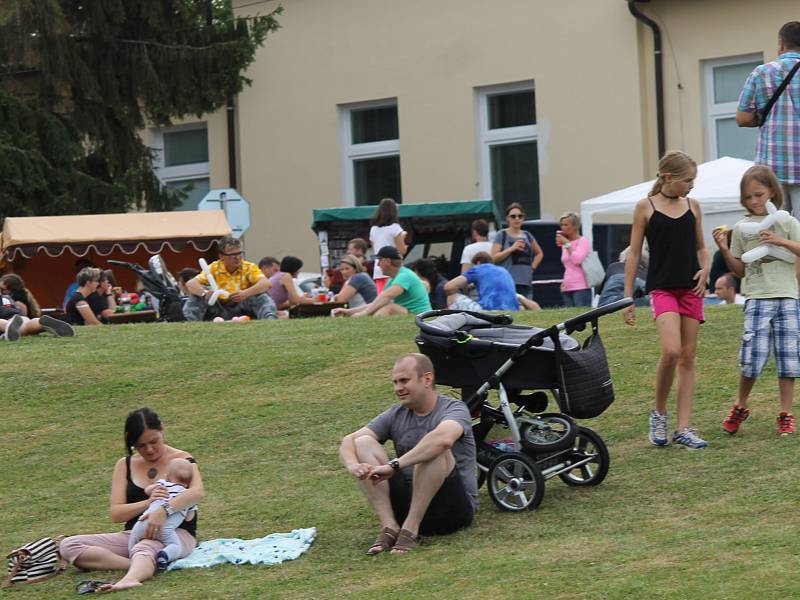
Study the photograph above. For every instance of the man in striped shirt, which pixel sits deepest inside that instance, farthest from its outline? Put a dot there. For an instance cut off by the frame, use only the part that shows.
(779, 138)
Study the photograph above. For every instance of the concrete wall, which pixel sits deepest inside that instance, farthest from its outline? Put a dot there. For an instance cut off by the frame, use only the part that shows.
(582, 55)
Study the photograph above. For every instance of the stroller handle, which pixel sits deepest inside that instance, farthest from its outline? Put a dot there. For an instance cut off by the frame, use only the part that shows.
(575, 323)
(423, 326)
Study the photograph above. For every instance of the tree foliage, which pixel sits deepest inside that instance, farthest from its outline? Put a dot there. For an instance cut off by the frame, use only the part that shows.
(80, 79)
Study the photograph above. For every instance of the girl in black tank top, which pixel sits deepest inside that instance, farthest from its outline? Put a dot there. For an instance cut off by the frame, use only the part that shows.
(673, 249)
(676, 280)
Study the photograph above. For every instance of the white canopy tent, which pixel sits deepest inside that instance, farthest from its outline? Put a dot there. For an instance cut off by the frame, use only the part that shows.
(716, 188)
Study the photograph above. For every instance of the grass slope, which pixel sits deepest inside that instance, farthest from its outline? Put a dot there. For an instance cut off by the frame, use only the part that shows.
(263, 405)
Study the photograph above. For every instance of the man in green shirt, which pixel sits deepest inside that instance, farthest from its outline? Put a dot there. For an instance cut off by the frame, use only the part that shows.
(404, 292)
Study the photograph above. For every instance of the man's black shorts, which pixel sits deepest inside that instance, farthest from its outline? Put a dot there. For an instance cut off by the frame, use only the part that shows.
(449, 510)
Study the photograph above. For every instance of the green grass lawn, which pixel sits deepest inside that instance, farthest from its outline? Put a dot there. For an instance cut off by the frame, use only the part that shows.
(262, 406)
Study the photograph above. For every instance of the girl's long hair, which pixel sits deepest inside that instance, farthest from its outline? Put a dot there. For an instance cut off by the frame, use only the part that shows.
(386, 213)
(14, 283)
(766, 177)
(675, 163)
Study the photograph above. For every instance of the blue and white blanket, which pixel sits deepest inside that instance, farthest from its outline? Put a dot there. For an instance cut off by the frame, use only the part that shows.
(270, 550)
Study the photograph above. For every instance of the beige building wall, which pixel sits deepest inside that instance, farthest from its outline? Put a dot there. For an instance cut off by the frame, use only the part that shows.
(431, 56)
(693, 32)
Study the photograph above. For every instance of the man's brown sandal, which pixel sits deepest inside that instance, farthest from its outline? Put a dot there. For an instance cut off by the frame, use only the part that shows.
(385, 541)
(406, 541)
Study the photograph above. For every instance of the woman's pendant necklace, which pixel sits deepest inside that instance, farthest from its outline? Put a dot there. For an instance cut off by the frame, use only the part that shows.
(152, 472)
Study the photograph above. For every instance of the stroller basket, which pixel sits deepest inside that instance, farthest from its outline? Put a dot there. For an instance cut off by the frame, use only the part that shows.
(470, 349)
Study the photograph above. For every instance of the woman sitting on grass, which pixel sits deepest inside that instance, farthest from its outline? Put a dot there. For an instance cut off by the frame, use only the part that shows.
(132, 474)
(358, 289)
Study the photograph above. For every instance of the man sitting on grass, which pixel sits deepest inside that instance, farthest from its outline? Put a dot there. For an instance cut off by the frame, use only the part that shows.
(495, 286)
(404, 292)
(431, 486)
(243, 280)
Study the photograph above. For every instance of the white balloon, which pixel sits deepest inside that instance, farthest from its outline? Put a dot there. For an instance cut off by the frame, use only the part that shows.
(763, 250)
(217, 292)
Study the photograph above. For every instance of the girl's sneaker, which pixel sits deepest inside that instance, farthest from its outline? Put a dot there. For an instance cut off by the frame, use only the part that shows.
(658, 428)
(736, 417)
(688, 438)
(786, 425)
(162, 560)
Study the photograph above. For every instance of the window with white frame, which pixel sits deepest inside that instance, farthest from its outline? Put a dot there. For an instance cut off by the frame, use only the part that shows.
(723, 81)
(182, 160)
(370, 140)
(508, 150)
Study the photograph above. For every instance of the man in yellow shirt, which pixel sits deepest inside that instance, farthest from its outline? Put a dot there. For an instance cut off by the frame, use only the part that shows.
(243, 280)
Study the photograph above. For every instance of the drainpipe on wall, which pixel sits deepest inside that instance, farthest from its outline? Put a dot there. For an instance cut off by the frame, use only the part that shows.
(231, 110)
(657, 57)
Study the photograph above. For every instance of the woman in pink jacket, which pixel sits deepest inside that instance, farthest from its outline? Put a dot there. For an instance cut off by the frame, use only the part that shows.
(574, 250)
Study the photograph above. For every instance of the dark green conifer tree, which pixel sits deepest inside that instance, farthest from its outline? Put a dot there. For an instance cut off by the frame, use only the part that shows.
(80, 79)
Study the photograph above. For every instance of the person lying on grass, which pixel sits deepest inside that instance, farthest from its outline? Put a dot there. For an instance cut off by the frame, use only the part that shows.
(403, 294)
(431, 486)
(132, 474)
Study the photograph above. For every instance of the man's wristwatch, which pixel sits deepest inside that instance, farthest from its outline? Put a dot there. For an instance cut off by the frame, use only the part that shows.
(168, 509)
(395, 464)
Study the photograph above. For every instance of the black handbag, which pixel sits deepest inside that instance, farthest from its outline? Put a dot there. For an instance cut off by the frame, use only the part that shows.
(761, 116)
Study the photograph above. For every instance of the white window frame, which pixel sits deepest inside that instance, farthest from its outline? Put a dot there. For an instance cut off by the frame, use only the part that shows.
(723, 110)
(351, 152)
(488, 138)
(178, 173)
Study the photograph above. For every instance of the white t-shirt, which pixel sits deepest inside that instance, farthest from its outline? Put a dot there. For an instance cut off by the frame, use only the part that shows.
(380, 237)
(738, 300)
(470, 250)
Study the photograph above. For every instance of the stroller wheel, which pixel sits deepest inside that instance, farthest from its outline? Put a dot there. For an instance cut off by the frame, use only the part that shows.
(549, 432)
(587, 445)
(515, 482)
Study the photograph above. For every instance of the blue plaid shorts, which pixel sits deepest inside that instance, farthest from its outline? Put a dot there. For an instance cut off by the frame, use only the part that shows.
(770, 322)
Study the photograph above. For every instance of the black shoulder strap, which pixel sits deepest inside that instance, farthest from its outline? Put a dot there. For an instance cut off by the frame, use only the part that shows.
(778, 93)
(503, 243)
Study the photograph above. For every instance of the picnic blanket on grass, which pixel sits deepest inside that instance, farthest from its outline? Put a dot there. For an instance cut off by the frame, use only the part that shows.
(269, 550)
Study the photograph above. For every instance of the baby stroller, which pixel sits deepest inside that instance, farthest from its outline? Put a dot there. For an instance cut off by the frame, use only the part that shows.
(161, 284)
(478, 352)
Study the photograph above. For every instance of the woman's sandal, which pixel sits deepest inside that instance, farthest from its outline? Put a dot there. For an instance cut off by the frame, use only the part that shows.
(385, 541)
(406, 542)
(90, 586)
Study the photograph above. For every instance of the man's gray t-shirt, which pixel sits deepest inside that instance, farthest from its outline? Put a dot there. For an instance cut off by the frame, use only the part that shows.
(406, 429)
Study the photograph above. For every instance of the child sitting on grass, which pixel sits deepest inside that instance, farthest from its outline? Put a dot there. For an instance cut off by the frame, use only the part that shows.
(179, 477)
(771, 312)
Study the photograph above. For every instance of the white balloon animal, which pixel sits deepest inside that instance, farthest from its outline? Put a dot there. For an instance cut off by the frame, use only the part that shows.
(216, 292)
(752, 228)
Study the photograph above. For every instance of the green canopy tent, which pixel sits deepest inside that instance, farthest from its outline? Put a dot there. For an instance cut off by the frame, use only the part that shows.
(426, 224)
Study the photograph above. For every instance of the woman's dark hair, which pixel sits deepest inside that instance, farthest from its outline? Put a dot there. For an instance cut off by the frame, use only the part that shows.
(14, 283)
(291, 264)
(108, 275)
(426, 267)
(386, 213)
(137, 422)
(336, 280)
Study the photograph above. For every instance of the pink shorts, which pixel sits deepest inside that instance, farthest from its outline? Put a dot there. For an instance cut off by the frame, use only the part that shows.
(680, 300)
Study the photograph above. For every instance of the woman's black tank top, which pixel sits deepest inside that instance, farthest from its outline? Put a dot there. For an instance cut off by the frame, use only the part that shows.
(133, 493)
(673, 250)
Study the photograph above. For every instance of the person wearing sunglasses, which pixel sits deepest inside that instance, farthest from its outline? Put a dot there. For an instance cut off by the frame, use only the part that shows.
(245, 283)
(517, 250)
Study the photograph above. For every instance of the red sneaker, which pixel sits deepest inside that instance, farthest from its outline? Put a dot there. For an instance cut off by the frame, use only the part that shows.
(736, 417)
(785, 423)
